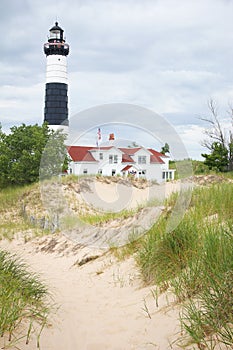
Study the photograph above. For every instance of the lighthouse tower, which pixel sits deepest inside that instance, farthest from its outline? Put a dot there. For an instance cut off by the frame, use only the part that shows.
(56, 99)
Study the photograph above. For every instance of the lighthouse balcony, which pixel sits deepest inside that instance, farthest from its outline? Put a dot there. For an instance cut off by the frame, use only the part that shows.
(56, 48)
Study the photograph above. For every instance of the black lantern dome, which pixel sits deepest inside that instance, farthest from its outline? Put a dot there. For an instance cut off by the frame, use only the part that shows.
(56, 33)
(56, 42)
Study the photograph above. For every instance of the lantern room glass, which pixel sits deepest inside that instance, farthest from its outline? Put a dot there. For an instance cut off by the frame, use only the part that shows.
(55, 34)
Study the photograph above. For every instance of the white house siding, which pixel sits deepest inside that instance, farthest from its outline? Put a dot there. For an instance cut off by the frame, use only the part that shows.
(104, 165)
(153, 172)
(79, 168)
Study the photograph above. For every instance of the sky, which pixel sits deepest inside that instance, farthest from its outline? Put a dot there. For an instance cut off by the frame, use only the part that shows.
(167, 56)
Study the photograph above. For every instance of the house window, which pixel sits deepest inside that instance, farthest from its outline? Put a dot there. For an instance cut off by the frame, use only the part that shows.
(100, 171)
(101, 156)
(164, 175)
(113, 172)
(170, 175)
(141, 159)
(70, 171)
(84, 171)
(113, 159)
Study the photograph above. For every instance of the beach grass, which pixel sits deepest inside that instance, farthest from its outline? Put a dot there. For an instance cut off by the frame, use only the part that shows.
(23, 300)
(195, 260)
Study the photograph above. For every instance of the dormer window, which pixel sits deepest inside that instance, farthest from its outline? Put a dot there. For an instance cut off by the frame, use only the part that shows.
(101, 156)
(141, 159)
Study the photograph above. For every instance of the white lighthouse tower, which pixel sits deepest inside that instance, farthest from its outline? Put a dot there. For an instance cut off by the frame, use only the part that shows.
(56, 99)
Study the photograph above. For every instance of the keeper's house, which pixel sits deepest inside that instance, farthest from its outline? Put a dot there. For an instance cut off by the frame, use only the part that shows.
(111, 160)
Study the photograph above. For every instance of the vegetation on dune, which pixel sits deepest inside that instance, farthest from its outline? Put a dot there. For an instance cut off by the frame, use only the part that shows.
(23, 301)
(14, 201)
(21, 153)
(195, 260)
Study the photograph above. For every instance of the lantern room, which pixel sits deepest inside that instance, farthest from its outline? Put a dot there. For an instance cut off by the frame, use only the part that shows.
(56, 43)
(56, 33)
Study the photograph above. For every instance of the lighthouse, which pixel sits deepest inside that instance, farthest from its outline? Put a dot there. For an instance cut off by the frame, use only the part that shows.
(56, 98)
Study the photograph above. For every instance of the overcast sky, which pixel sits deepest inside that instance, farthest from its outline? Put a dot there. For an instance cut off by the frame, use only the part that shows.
(170, 56)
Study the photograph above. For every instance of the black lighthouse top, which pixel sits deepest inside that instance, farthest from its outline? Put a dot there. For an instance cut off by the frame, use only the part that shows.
(56, 42)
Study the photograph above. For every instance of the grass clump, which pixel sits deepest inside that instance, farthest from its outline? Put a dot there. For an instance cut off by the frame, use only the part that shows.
(195, 260)
(20, 210)
(103, 217)
(23, 300)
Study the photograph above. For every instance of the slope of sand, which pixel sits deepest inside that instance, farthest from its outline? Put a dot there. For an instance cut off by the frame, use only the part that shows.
(102, 305)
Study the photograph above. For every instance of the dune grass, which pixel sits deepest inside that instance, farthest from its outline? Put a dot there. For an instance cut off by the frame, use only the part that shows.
(23, 300)
(195, 260)
(103, 217)
(13, 200)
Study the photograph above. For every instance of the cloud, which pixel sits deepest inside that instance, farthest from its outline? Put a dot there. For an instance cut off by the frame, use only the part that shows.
(167, 55)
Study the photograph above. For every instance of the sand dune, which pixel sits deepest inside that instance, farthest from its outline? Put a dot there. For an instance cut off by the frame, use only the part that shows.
(102, 305)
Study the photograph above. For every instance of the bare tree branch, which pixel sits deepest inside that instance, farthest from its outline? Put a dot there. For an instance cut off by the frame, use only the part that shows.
(215, 133)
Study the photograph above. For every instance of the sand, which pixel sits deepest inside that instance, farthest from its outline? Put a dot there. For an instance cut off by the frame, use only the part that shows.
(103, 303)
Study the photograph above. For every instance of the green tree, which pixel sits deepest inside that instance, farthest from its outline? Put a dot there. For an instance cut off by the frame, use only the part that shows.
(219, 141)
(54, 158)
(21, 151)
(165, 149)
(218, 158)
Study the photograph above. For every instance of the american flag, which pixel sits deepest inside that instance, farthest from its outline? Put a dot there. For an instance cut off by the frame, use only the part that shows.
(98, 136)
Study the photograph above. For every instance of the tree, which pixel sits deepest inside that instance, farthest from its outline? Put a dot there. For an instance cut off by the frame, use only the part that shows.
(219, 141)
(218, 158)
(165, 149)
(54, 159)
(21, 151)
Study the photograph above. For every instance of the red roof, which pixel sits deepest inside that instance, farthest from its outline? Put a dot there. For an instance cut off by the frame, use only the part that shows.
(127, 159)
(156, 153)
(102, 148)
(130, 151)
(127, 167)
(81, 153)
(155, 158)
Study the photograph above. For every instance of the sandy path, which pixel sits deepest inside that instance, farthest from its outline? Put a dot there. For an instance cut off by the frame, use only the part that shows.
(102, 305)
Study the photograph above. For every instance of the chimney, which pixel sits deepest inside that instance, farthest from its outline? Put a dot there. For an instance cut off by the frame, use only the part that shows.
(111, 137)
